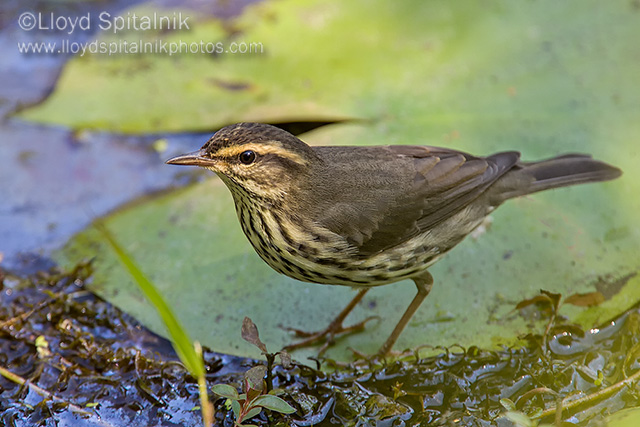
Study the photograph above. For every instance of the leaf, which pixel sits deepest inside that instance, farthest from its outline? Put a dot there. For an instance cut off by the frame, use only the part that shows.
(508, 404)
(179, 337)
(538, 299)
(255, 377)
(235, 407)
(585, 300)
(625, 418)
(519, 419)
(252, 412)
(273, 403)
(253, 393)
(276, 391)
(553, 297)
(285, 359)
(225, 390)
(251, 335)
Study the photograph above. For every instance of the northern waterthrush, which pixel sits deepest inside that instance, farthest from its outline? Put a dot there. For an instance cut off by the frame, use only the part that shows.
(368, 216)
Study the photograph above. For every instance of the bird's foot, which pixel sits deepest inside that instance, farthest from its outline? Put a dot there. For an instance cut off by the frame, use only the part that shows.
(326, 336)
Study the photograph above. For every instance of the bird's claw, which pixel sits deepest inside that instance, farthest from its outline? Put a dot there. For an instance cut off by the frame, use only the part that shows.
(327, 336)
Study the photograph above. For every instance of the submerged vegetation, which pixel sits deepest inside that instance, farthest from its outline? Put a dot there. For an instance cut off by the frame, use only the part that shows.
(70, 358)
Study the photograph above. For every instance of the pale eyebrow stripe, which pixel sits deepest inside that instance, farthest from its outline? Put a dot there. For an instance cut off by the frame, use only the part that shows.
(261, 149)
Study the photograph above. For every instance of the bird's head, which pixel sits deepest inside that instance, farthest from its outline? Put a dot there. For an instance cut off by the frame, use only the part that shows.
(254, 158)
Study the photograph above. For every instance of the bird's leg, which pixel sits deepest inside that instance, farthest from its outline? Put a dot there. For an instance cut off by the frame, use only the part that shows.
(424, 282)
(334, 328)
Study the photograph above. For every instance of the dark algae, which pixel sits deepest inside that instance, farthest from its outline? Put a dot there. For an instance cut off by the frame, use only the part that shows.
(68, 358)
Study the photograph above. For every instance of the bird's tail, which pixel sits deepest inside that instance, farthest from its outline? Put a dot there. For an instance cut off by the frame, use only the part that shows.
(569, 169)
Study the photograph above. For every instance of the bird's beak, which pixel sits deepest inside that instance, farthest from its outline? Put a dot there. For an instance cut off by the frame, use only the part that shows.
(196, 158)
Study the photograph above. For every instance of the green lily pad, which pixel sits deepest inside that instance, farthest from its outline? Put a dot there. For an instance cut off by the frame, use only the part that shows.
(624, 418)
(411, 63)
(541, 77)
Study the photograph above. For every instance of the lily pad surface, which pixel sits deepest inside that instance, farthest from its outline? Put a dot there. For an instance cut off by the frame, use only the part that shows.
(543, 78)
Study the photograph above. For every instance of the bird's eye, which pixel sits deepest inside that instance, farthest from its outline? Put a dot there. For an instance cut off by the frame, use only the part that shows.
(247, 157)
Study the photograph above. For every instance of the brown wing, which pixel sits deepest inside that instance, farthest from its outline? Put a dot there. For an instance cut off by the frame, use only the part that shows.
(433, 185)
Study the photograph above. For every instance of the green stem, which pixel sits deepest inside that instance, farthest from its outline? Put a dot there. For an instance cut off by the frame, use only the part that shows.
(601, 394)
(205, 406)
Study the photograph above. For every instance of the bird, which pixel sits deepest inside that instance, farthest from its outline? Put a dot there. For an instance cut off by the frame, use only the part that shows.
(367, 216)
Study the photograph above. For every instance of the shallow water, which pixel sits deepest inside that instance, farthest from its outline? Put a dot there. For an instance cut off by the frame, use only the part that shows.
(91, 357)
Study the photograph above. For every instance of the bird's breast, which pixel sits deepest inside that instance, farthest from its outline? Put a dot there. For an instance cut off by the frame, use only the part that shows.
(308, 252)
